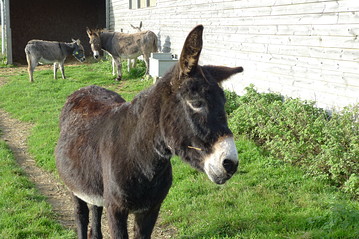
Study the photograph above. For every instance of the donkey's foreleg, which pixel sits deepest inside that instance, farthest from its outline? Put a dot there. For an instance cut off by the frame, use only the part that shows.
(117, 221)
(119, 68)
(95, 231)
(81, 217)
(62, 69)
(145, 222)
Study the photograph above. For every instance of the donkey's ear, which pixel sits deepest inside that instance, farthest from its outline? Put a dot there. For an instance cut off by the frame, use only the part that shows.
(88, 31)
(191, 50)
(220, 73)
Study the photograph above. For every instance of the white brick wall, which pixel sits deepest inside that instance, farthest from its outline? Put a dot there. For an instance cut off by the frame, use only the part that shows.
(299, 48)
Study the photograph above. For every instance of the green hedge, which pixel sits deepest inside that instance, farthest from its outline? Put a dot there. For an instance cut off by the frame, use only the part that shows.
(325, 145)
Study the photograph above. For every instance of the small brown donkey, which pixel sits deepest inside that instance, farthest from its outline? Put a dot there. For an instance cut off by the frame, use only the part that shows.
(123, 46)
(116, 154)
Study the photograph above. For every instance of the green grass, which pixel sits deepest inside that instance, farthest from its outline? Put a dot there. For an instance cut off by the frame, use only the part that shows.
(24, 212)
(41, 102)
(266, 199)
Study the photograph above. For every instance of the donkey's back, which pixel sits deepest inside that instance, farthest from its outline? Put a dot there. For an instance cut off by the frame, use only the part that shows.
(131, 45)
(90, 102)
(51, 52)
(44, 51)
(149, 40)
(82, 124)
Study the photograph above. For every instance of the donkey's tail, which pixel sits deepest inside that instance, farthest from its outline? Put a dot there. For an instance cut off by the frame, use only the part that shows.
(155, 47)
(154, 40)
(27, 53)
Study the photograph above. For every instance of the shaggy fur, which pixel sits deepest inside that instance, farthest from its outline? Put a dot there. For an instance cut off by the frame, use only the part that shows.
(119, 152)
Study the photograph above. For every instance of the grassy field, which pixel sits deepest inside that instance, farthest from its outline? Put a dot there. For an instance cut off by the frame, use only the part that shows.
(266, 199)
(24, 212)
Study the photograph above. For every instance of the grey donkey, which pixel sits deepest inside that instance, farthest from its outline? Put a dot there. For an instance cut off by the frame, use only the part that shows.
(123, 46)
(52, 52)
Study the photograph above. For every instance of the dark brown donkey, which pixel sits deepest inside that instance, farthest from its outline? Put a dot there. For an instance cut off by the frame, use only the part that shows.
(117, 154)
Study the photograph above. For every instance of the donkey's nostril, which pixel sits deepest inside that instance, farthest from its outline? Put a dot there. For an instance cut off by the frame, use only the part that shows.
(230, 166)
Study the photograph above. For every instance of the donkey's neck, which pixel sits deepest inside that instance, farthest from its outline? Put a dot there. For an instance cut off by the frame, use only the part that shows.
(106, 41)
(146, 108)
(67, 48)
(139, 140)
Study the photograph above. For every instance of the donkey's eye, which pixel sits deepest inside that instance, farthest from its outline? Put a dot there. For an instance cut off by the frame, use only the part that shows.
(196, 105)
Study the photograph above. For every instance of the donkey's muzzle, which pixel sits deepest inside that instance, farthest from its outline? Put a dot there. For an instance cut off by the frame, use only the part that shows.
(96, 54)
(222, 163)
(230, 166)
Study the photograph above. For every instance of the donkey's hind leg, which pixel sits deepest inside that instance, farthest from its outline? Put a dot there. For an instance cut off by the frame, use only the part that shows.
(31, 64)
(95, 231)
(131, 63)
(117, 60)
(146, 58)
(81, 217)
(62, 69)
(56, 66)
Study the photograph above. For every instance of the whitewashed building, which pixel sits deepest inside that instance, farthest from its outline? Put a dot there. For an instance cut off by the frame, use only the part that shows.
(299, 48)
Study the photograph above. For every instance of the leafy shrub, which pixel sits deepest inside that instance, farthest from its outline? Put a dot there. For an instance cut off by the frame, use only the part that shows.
(232, 102)
(2, 60)
(340, 153)
(326, 146)
(135, 72)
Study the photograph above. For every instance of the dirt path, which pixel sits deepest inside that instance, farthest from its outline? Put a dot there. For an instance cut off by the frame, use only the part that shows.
(15, 133)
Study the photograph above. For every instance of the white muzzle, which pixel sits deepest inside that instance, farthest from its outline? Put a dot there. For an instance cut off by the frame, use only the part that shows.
(222, 163)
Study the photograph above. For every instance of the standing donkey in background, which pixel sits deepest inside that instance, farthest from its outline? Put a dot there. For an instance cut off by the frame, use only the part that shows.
(123, 46)
(131, 63)
(52, 52)
(117, 154)
(139, 29)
